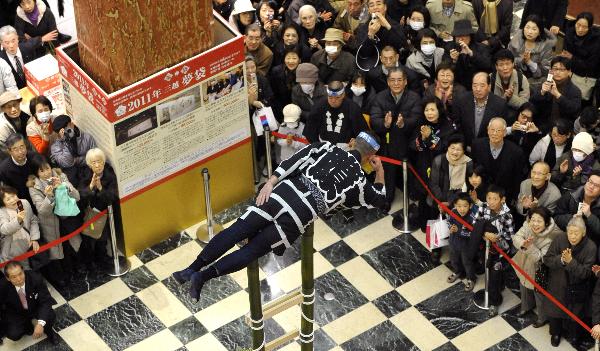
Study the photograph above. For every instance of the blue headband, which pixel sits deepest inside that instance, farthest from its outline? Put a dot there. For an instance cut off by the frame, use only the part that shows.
(335, 92)
(369, 139)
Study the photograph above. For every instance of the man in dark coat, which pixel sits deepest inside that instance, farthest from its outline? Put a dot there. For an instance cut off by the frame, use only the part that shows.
(389, 58)
(559, 98)
(552, 13)
(493, 34)
(475, 109)
(467, 55)
(503, 160)
(15, 169)
(16, 54)
(381, 30)
(583, 200)
(397, 9)
(337, 119)
(394, 115)
(333, 62)
(24, 297)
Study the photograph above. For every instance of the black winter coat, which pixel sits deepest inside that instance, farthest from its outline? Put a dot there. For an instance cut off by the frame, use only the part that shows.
(466, 66)
(569, 104)
(39, 300)
(586, 52)
(552, 12)
(411, 108)
(46, 24)
(567, 206)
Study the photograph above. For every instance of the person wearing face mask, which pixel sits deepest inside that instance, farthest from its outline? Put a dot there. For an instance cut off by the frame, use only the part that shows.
(70, 147)
(400, 9)
(495, 20)
(426, 59)
(573, 168)
(417, 19)
(39, 129)
(570, 259)
(334, 63)
(283, 79)
(360, 92)
(293, 128)
(538, 190)
(308, 89)
(12, 119)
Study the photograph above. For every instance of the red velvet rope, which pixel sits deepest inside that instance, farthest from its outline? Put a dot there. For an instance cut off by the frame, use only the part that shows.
(470, 227)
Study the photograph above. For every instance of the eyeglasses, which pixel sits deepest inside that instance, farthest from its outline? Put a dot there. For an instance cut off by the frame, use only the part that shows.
(396, 80)
(592, 184)
(558, 69)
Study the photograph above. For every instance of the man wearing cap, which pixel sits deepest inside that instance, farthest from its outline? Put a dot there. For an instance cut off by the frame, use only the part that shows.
(394, 114)
(467, 56)
(332, 62)
(444, 13)
(69, 149)
(308, 89)
(263, 56)
(312, 182)
(16, 54)
(12, 119)
(336, 120)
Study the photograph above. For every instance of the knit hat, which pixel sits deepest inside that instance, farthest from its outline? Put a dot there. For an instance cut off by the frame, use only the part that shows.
(583, 141)
(9, 96)
(291, 113)
(60, 122)
(307, 73)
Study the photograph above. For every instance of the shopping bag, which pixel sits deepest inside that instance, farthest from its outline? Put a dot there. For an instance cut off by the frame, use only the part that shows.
(262, 118)
(437, 233)
(95, 229)
(64, 204)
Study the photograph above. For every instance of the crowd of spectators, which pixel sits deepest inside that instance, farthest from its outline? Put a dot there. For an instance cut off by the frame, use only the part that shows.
(502, 124)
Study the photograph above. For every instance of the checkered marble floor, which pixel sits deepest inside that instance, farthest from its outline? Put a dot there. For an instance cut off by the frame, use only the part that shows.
(388, 296)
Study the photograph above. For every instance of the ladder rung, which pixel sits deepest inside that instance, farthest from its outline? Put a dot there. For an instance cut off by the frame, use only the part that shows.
(279, 305)
(272, 345)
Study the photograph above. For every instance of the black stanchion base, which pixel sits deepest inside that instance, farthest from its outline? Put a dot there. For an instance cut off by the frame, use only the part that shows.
(398, 224)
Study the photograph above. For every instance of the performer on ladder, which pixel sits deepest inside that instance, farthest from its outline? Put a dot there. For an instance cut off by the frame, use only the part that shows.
(312, 182)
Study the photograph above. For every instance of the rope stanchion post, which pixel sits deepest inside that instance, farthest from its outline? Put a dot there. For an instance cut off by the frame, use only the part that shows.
(481, 297)
(403, 224)
(206, 231)
(268, 151)
(308, 290)
(121, 264)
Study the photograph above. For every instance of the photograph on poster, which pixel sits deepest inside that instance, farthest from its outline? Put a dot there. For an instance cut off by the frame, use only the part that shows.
(223, 84)
(179, 105)
(135, 126)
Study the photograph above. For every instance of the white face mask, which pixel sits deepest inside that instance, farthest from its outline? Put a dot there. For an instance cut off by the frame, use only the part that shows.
(331, 49)
(428, 49)
(358, 91)
(416, 25)
(43, 117)
(307, 88)
(579, 156)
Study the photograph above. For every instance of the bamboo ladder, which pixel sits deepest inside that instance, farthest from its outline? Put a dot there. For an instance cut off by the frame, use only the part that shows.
(304, 295)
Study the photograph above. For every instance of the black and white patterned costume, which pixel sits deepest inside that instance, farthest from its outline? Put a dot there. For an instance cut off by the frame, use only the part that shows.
(313, 181)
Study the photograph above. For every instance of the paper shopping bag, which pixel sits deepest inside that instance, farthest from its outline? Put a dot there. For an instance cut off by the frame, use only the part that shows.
(437, 233)
(263, 117)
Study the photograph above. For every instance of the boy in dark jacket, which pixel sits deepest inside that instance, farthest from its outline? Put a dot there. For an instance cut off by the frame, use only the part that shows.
(461, 257)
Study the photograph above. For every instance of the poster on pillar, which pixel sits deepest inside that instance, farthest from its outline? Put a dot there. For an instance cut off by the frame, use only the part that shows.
(172, 120)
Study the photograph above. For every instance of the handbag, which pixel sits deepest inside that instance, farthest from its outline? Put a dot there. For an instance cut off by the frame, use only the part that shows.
(585, 84)
(262, 118)
(541, 276)
(437, 233)
(95, 229)
(64, 205)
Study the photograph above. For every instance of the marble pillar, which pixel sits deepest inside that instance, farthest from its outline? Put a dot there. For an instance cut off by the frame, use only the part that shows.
(124, 41)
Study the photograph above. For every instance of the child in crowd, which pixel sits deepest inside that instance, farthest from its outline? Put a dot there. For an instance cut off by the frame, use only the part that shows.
(495, 224)
(477, 184)
(292, 127)
(461, 256)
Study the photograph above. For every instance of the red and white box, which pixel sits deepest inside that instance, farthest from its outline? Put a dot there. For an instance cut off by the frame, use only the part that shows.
(42, 74)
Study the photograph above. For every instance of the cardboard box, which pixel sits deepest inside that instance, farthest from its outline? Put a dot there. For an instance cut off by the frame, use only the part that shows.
(42, 74)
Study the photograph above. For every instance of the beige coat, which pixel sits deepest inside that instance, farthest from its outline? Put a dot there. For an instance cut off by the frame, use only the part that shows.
(10, 232)
(529, 258)
(440, 23)
(49, 222)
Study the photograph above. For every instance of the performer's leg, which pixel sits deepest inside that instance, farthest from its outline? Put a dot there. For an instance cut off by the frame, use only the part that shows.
(259, 246)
